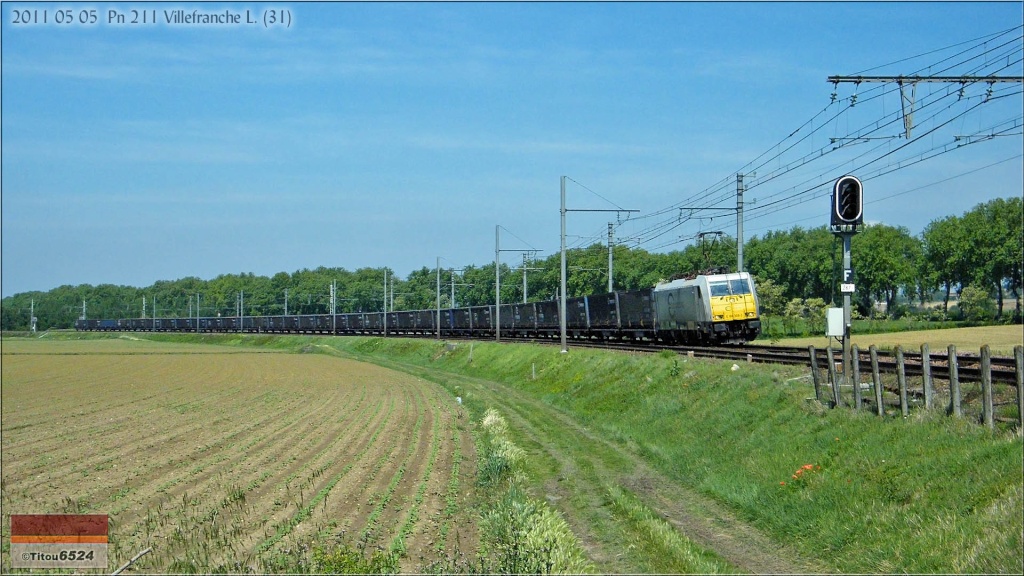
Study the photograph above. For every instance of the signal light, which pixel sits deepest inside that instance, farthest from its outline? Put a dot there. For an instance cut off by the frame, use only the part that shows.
(847, 203)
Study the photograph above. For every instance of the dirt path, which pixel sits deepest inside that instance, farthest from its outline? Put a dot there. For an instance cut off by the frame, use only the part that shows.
(580, 470)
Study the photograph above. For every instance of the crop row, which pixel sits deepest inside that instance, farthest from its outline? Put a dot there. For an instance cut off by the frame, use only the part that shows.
(221, 462)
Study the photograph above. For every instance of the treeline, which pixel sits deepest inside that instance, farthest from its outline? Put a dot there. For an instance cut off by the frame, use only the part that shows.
(980, 252)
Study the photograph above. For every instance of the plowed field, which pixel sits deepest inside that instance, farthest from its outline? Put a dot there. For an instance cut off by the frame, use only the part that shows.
(223, 459)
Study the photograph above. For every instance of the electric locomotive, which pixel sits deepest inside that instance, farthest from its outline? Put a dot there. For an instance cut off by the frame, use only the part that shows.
(705, 309)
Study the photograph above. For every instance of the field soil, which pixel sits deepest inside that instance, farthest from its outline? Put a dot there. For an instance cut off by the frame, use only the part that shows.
(223, 458)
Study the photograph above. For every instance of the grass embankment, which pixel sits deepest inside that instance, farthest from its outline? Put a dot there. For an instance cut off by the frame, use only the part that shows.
(926, 494)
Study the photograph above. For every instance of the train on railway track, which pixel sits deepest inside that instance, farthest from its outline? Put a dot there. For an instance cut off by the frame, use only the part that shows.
(700, 309)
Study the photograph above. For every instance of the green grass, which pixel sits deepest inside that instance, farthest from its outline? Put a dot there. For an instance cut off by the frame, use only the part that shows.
(662, 547)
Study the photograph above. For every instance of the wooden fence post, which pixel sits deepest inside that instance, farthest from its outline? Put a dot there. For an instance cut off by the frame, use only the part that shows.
(833, 377)
(901, 378)
(858, 402)
(986, 388)
(954, 383)
(814, 373)
(926, 376)
(876, 379)
(1018, 356)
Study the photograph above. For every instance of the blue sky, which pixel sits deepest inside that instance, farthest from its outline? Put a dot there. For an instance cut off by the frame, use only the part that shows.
(392, 134)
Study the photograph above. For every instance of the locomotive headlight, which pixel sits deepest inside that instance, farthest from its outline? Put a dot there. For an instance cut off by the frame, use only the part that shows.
(719, 316)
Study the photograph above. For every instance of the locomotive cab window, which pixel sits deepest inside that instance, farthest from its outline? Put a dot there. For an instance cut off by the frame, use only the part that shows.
(719, 288)
(740, 286)
(735, 287)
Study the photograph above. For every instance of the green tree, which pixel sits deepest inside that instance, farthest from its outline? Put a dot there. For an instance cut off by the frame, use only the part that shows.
(419, 291)
(816, 314)
(804, 262)
(771, 300)
(944, 255)
(886, 260)
(997, 238)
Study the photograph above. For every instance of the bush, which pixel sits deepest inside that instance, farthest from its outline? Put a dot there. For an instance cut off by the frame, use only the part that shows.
(528, 537)
(976, 304)
(521, 535)
(899, 311)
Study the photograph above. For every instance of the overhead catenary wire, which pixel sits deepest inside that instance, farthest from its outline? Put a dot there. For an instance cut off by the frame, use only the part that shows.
(884, 151)
(983, 38)
(988, 55)
(915, 189)
(850, 164)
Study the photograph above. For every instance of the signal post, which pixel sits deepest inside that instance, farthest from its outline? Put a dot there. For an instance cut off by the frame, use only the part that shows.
(847, 220)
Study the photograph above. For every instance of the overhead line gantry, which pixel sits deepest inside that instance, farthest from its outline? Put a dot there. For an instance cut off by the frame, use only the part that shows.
(906, 100)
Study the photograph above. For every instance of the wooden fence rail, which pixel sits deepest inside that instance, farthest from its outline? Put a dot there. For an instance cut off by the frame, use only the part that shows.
(983, 370)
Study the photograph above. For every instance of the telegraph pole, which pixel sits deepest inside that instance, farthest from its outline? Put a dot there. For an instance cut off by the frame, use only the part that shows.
(562, 289)
(739, 222)
(438, 297)
(741, 187)
(525, 269)
(497, 279)
(610, 244)
(385, 302)
(561, 299)
(497, 285)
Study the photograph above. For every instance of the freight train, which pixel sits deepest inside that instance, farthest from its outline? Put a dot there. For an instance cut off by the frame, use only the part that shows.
(702, 309)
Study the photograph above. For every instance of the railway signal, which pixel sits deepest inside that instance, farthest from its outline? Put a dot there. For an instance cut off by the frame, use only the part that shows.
(847, 205)
(847, 220)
